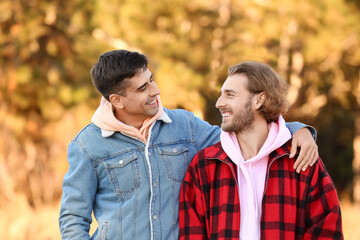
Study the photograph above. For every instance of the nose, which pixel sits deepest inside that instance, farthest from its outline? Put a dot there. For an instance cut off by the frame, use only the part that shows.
(154, 89)
(219, 103)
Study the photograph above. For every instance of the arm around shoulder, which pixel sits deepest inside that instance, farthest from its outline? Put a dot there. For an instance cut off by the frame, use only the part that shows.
(296, 126)
(79, 189)
(305, 139)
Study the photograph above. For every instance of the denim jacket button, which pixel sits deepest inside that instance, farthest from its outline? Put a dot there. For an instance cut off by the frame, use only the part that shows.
(154, 184)
(174, 150)
(155, 217)
(149, 154)
(121, 162)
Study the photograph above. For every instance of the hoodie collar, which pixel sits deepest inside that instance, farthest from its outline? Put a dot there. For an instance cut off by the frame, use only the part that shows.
(105, 119)
(278, 136)
(164, 117)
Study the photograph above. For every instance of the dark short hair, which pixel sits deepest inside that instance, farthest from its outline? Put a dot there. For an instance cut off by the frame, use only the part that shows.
(262, 78)
(112, 69)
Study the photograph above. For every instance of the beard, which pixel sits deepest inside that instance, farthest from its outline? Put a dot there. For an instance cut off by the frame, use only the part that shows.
(241, 121)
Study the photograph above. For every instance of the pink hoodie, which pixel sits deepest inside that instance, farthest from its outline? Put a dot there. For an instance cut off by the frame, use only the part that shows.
(251, 175)
(105, 119)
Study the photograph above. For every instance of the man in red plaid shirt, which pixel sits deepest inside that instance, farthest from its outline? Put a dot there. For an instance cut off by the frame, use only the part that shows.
(245, 186)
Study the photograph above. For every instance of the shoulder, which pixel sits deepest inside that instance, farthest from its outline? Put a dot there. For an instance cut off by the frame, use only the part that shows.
(282, 161)
(283, 150)
(212, 152)
(215, 151)
(91, 130)
(181, 118)
(175, 113)
(205, 158)
(88, 137)
(279, 159)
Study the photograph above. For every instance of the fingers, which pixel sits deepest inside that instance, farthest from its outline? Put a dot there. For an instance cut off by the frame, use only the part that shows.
(302, 159)
(315, 157)
(308, 154)
(307, 157)
(293, 149)
(307, 162)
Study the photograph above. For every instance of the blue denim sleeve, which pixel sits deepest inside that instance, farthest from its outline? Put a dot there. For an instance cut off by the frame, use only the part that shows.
(295, 126)
(79, 188)
(205, 134)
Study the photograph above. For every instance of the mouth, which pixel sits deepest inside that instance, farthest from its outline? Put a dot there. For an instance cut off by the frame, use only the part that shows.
(225, 113)
(152, 102)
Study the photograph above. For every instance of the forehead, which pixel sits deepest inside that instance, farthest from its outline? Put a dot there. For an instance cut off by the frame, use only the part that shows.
(237, 82)
(139, 79)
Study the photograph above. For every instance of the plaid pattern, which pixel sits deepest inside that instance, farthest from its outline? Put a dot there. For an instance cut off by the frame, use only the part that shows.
(294, 206)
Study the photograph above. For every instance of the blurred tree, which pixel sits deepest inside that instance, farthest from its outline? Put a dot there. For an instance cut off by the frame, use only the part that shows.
(43, 70)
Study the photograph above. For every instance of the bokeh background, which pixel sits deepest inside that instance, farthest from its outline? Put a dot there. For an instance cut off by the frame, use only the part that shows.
(47, 48)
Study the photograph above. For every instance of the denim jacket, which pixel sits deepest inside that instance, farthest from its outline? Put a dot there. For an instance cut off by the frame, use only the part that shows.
(132, 187)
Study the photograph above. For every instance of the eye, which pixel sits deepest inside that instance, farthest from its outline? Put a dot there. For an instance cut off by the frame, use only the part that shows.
(142, 89)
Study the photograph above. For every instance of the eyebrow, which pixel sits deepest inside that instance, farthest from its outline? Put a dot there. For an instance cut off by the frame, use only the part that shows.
(227, 91)
(142, 86)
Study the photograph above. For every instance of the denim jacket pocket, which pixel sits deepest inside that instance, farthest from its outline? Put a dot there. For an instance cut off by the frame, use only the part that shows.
(176, 160)
(124, 173)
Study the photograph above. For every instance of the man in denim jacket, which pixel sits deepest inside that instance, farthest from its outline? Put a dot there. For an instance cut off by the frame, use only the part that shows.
(127, 166)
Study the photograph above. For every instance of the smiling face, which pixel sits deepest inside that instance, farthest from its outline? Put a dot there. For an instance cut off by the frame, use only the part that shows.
(139, 101)
(236, 104)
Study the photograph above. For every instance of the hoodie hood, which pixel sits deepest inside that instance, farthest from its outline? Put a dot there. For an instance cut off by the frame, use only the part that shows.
(105, 119)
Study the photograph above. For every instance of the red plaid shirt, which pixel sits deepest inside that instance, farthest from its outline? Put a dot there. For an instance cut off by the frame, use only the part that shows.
(294, 206)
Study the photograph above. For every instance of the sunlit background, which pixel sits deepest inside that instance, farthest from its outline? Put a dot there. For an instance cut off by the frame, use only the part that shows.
(47, 48)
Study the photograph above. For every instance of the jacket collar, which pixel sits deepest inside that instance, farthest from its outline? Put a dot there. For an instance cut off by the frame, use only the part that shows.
(284, 149)
(217, 152)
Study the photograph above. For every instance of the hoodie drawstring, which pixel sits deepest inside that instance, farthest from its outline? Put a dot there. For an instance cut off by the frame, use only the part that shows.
(251, 188)
(254, 191)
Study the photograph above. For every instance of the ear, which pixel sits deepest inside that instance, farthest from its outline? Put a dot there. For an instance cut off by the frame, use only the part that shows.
(116, 101)
(260, 100)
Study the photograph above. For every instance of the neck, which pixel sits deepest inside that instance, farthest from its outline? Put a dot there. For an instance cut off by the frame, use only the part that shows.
(251, 141)
(128, 119)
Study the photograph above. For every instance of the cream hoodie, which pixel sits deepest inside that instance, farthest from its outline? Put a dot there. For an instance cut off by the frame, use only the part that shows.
(105, 119)
(251, 175)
